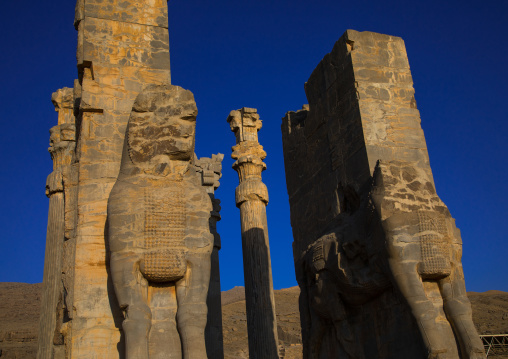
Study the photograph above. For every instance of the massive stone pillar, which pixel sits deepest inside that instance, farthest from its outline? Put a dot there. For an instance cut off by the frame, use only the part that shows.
(377, 253)
(117, 283)
(211, 172)
(252, 198)
(62, 145)
(123, 46)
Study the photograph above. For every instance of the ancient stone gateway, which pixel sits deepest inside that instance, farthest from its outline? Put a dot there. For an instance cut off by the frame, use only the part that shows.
(377, 253)
(131, 209)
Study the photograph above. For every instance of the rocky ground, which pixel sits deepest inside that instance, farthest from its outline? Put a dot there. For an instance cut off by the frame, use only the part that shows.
(20, 303)
(235, 322)
(19, 319)
(490, 311)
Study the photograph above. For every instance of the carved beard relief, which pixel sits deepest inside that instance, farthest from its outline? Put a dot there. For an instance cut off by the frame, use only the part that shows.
(165, 216)
(435, 246)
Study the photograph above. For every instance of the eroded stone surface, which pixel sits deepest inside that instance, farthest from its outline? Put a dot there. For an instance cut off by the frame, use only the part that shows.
(123, 48)
(159, 232)
(377, 254)
(423, 244)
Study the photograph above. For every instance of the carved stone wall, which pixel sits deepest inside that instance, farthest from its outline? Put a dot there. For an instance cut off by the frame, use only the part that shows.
(355, 300)
(123, 54)
(122, 47)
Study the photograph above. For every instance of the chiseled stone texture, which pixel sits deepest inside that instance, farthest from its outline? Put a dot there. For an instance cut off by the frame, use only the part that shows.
(153, 13)
(123, 49)
(159, 231)
(123, 46)
(377, 254)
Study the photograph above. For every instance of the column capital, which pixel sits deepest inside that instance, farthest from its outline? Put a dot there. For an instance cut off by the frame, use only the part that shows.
(62, 142)
(245, 123)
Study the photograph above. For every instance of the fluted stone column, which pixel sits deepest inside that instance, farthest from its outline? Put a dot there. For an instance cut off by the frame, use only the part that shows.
(252, 198)
(211, 171)
(52, 266)
(62, 144)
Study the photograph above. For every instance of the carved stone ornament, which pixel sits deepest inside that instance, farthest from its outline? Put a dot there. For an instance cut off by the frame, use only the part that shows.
(159, 234)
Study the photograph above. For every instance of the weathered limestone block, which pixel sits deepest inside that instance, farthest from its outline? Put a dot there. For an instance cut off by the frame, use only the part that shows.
(377, 255)
(135, 33)
(130, 44)
(123, 46)
(252, 198)
(159, 232)
(153, 13)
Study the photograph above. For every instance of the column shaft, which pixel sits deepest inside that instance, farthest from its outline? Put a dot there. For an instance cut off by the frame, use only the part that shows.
(252, 198)
(261, 319)
(52, 276)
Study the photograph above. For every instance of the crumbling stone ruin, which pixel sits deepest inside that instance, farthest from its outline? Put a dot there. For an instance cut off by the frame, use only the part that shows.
(132, 268)
(377, 253)
(131, 207)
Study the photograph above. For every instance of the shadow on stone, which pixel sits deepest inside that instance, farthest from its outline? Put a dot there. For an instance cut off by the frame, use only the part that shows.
(113, 301)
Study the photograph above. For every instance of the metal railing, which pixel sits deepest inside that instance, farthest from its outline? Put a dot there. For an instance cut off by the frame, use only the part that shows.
(495, 344)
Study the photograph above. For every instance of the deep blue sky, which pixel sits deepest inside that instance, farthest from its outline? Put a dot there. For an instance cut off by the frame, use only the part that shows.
(259, 53)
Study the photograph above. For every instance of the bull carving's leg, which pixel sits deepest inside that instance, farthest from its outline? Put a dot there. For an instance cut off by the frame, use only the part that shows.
(131, 291)
(410, 284)
(305, 318)
(191, 293)
(327, 307)
(317, 332)
(458, 311)
(404, 256)
(317, 314)
(164, 340)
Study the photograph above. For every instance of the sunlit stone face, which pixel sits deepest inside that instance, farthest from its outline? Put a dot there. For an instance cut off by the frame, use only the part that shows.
(162, 127)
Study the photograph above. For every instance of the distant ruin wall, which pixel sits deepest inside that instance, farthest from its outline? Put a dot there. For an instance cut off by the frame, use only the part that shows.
(349, 213)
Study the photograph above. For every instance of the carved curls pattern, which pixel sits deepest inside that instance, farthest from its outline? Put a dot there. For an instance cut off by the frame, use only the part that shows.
(165, 214)
(435, 247)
